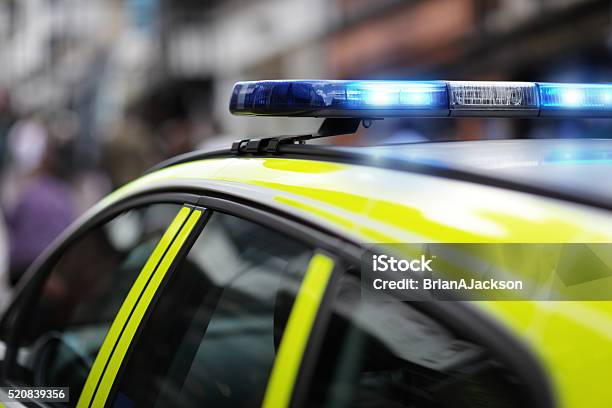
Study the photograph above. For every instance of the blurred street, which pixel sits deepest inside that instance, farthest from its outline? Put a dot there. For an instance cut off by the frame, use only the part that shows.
(93, 93)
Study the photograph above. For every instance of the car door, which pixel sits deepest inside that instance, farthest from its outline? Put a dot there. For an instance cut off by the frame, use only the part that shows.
(230, 323)
(69, 314)
(373, 349)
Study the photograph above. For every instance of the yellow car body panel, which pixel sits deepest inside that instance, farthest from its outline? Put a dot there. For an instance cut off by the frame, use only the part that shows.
(573, 340)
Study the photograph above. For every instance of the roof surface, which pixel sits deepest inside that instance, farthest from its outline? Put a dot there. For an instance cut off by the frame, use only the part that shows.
(575, 170)
(577, 166)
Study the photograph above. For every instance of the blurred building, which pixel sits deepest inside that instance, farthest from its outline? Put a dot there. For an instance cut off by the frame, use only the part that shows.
(237, 40)
(465, 38)
(70, 54)
(174, 61)
(534, 40)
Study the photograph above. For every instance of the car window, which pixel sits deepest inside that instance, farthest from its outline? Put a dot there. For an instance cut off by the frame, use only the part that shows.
(385, 352)
(212, 337)
(85, 288)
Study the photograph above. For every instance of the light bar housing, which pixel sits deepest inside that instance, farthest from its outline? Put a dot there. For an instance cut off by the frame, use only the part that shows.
(380, 99)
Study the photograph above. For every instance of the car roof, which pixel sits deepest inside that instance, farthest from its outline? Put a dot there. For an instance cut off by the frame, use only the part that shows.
(582, 167)
(569, 169)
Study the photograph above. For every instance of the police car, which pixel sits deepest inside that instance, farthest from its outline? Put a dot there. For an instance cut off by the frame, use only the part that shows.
(233, 278)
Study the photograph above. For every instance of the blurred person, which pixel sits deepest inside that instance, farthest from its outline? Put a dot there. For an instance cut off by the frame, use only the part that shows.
(177, 137)
(5, 290)
(89, 183)
(26, 141)
(211, 136)
(131, 150)
(7, 119)
(42, 205)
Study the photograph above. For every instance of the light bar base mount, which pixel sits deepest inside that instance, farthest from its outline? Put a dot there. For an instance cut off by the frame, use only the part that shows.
(329, 127)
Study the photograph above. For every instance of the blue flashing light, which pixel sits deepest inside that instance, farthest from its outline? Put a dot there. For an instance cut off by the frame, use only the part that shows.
(568, 99)
(340, 98)
(379, 99)
(397, 95)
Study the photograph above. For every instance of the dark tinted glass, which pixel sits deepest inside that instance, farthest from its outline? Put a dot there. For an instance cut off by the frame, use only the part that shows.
(389, 354)
(212, 338)
(82, 295)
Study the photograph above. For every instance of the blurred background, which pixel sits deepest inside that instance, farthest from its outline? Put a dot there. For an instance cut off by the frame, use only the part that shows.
(93, 92)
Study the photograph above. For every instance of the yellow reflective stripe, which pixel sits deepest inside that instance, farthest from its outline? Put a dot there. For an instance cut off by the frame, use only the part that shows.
(124, 342)
(299, 325)
(126, 308)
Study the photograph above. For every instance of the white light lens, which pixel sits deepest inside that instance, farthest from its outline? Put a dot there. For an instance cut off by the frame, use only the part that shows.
(572, 97)
(493, 96)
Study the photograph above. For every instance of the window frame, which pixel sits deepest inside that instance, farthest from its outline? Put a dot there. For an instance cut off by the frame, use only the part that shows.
(37, 274)
(255, 216)
(462, 317)
(320, 242)
(192, 233)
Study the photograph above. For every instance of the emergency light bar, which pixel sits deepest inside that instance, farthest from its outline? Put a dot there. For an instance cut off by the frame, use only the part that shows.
(379, 99)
